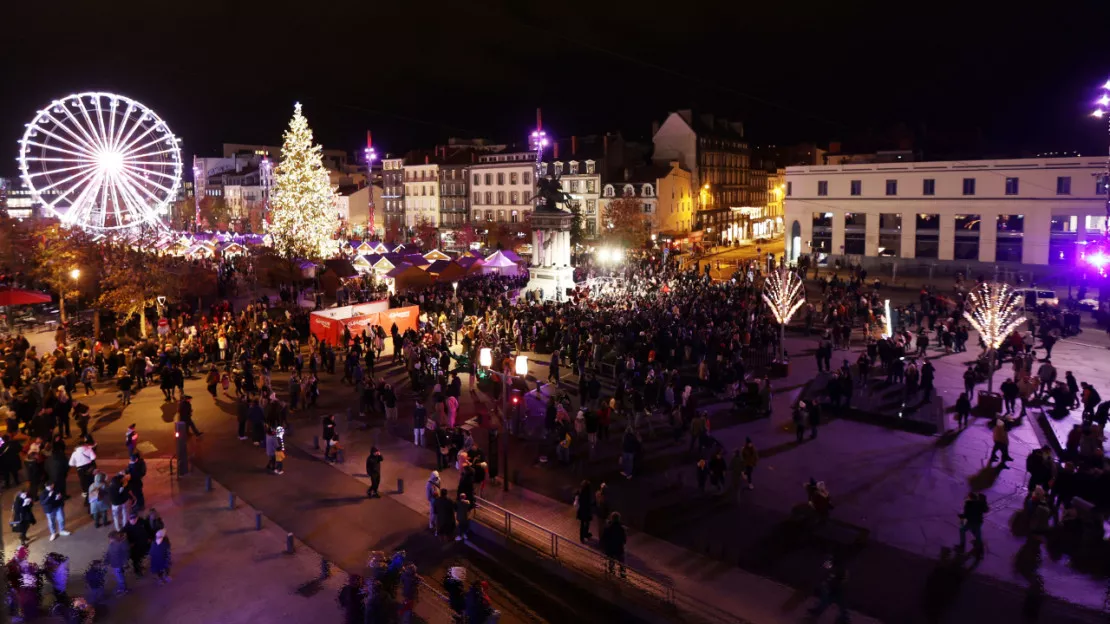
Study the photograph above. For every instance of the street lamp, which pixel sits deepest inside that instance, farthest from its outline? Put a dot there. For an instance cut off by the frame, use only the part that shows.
(76, 275)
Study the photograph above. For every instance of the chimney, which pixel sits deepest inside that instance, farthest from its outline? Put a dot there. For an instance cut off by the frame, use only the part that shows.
(573, 145)
(426, 159)
(834, 147)
(605, 145)
(369, 139)
(555, 150)
(473, 156)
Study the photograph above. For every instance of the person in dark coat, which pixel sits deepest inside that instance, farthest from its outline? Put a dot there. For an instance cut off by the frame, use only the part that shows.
(963, 410)
(116, 558)
(136, 470)
(814, 419)
(613, 539)
(160, 557)
(57, 469)
(462, 513)
(374, 471)
(138, 541)
(585, 510)
(185, 415)
(352, 598)
(445, 515)
(22, 515)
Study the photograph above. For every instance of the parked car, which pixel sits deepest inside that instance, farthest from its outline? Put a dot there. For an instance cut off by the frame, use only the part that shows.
(1037, 296)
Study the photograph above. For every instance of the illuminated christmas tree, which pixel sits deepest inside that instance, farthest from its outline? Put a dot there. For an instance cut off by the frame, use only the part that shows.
(303, 216)
(784, 294)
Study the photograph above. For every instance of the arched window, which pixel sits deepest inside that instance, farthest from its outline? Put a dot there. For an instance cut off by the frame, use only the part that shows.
(648, 191)
(609, 190)
(573, 167)
(629, 190)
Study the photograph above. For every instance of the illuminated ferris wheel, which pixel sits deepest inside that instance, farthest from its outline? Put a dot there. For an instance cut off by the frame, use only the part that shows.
(101, 161)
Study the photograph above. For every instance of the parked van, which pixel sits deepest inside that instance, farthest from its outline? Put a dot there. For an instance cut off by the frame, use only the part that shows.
(1034, 297)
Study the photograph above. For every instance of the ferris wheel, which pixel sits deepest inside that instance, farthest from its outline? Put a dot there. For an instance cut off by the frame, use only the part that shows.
(101, 161)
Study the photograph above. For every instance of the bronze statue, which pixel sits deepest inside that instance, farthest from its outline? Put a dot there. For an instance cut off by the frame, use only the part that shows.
(550, 193)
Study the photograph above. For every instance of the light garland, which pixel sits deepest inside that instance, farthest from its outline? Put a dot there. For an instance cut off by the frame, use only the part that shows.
(995, 312)
(303, 218)
(783, 292)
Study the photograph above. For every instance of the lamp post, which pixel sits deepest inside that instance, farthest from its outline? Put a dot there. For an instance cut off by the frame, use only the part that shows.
(76, 275)
(370, 155)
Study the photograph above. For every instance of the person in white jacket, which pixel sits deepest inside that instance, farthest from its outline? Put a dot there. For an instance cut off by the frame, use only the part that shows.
(83, 459)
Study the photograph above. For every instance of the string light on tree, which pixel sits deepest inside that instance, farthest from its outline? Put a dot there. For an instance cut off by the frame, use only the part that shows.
(995, 311)
(303, 218)
(784, 294)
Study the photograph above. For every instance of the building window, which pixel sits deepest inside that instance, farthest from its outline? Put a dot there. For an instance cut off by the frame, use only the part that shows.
(856, 187)
(477, 197)
(574, 186)
(489, 215)
(558, 168)
(822, 188)
(500, 215)
(591, 206)
(648, 191)
(512, 177)
(543, 169)
(608, 190)
(629, 190)
(489, 179)
(589, 167)
(500, 179)
(514, 198)
(477, 179)
(892, 187)
(501, 198)
(1011, 186)
(489, 198)
(526, 197)
(1063, 185)
(647, 207)
(574, 167)
(591, 186)
(526, 177)
(929, 187)
(969, 186)
(1100, 184)
(789, 189)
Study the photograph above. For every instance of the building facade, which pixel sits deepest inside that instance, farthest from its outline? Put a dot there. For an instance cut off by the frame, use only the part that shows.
(581, 180)
(1028, 211)
(422, 193)
(772, 223)
(502, 187)
(393, 194)
(674, 214)
(454, 193)
(717, 155)
(642, 188)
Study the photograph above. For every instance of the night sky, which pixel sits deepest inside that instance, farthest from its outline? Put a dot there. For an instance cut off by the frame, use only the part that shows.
(975, 78)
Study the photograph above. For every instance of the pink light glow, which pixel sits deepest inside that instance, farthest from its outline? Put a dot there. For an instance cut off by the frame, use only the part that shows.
(1107, 85)
(1098, 260)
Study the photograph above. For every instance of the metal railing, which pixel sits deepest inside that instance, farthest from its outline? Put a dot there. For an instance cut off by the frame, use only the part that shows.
(596, 565)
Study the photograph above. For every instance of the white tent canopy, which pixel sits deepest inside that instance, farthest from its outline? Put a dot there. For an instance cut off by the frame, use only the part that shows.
(497, 262)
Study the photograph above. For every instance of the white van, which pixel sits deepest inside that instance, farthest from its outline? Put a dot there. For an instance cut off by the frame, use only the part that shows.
(1034, 297)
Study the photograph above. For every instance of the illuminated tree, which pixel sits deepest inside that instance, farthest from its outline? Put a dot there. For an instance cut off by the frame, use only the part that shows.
(132, 279)
(624, 219)
(784, 294)
(55, 252)
(464, 236)
(303, 217)
(995, 312)
(215, 214)
(428, 234)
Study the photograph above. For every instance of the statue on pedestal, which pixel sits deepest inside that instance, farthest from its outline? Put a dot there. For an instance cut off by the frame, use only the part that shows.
(550, 193)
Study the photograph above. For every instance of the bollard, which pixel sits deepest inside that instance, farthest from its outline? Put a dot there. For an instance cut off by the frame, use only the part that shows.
(208, 484)
(258, 521)
(289, 543)
(231, 500)
(316, 443)
(325, 569)
(400, 486)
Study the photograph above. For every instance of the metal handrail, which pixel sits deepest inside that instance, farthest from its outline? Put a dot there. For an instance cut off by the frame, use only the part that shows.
(595, 564)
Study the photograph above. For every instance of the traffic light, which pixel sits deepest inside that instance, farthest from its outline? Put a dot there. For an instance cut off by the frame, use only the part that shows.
(514, 396)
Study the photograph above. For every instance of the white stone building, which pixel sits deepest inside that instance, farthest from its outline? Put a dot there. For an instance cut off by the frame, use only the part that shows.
(421, 198)
(502, 187)
(582, 181)
(1014, 212)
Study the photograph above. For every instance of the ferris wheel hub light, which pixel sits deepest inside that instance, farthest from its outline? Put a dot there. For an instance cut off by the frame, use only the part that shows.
(110, 162)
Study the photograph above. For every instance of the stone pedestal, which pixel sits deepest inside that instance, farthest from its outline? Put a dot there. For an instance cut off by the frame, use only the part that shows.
(551, 272)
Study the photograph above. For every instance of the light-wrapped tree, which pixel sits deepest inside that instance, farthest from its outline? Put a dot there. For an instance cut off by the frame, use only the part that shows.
(995, 312)
(784, 294)
(303, 216)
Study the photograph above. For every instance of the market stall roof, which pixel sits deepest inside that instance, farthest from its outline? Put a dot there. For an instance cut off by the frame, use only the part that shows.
(436, 254)
(341, 266)
(18, 296)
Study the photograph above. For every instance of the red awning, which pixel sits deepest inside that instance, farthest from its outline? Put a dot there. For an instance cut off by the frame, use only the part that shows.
(16, 296)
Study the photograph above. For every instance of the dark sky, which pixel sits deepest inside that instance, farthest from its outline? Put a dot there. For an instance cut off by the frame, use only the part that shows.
(977, 76)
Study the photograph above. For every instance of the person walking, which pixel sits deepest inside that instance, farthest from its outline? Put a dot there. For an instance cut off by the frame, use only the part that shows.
(971, 521)
(83, 460)
(23, 516)
(160, 557)
(601, 507)
(750, 457)
(630, 445)
(419, 423)
(116, 558)
(136, 472)
(814, 419)
(963, 410)
(271, 450)
(374, 471)
(717, 468)
(431, 493)
(831, 590)
(120, 498)
(584, 510)
(53, 507)
(212, 382)
(138, 541)
(185, 415)
(124, 383)
(445, 515)
(97, 495)
(131, 439)
(613, 540)
(462, 514)
(799, 418)
(1001, 443)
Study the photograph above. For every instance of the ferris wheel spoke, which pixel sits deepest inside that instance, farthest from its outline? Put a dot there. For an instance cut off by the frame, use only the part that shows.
(80, 203)
(83, 140)
(82, 150)
(140, 150)
(142, 184)
(111, 136)
(91, 142)
(39, 174)
(132, 201)
(121, 137)
(90, 127)
(66, 160)
(129, 148)
(65, 180)
(78, 156)
(139, 171)
(100, 124)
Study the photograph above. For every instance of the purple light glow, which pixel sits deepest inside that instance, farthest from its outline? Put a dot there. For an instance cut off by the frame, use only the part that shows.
(1098, 260)
(1107, 85)
(1104, 100)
